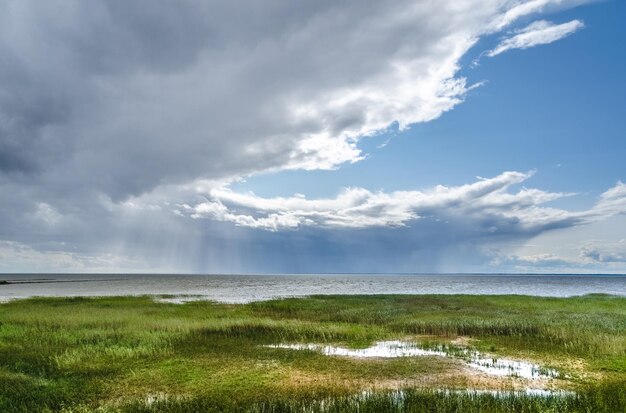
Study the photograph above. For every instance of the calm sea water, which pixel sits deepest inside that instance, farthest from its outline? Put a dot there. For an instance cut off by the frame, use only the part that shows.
(245, 288)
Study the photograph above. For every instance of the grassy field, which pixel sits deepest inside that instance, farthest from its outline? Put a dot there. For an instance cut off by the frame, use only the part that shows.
(133, 354)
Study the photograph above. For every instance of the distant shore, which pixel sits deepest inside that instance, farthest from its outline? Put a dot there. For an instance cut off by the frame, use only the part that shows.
(249, 288)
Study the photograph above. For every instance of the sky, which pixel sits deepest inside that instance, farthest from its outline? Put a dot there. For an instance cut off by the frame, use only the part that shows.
(318, 136)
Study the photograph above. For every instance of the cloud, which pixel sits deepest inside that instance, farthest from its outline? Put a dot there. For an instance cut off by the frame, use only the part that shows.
(444, 228)
(109, 97)
(353, 208)
(487, 203)
(113, 113)
(531, 262)
(521, 9)
(535, 34)
(18, 257)
(127, 90)
(612, 253)
(594, 257)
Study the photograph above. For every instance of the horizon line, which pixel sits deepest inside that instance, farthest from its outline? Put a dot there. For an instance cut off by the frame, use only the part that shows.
(319, 273)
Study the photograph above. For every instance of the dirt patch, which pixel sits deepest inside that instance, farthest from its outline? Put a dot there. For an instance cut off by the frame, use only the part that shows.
(461, 377)
(462, 341)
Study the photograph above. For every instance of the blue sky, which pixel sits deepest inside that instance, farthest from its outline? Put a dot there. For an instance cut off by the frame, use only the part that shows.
(391, 136)
(559, 109)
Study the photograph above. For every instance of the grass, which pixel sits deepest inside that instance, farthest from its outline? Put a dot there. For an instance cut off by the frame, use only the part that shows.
(132, 354)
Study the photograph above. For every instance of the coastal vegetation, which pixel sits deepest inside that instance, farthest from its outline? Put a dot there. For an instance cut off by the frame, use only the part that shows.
(146, 354)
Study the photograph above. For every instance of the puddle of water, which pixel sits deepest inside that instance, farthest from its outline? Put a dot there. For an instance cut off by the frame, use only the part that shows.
(549, 393)
(541, 393)
(400, 394)
(391, 349)
(506, 367)
(381, 349)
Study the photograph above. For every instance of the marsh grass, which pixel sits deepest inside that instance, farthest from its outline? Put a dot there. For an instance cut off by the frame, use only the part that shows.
(600, 398)
(117, 353)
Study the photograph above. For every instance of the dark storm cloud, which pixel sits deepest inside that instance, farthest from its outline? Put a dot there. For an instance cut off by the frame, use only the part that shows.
(125, 96)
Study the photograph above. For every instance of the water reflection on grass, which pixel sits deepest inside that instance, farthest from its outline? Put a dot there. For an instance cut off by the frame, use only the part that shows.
(495, 366)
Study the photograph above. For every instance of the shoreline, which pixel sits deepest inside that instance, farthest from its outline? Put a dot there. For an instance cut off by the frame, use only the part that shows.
(241, 289)
(180, 299)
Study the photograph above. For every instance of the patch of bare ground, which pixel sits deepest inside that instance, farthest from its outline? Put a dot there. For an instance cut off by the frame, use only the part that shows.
(462, 341)
(456, 377)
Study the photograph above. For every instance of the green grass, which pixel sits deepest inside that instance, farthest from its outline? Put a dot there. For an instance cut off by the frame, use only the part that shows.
(113, 354)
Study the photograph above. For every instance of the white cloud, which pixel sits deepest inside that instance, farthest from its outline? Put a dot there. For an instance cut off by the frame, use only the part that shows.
(19, 257)
(47, 214)
(536, 33)
(593, 257)
(482, 202)
(605, 253)
(531, 262)
(519, 9)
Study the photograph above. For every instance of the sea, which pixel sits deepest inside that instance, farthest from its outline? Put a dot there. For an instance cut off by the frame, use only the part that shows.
(235, 288)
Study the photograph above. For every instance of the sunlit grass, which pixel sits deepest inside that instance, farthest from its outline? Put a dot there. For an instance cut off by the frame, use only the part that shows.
(135, 354)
